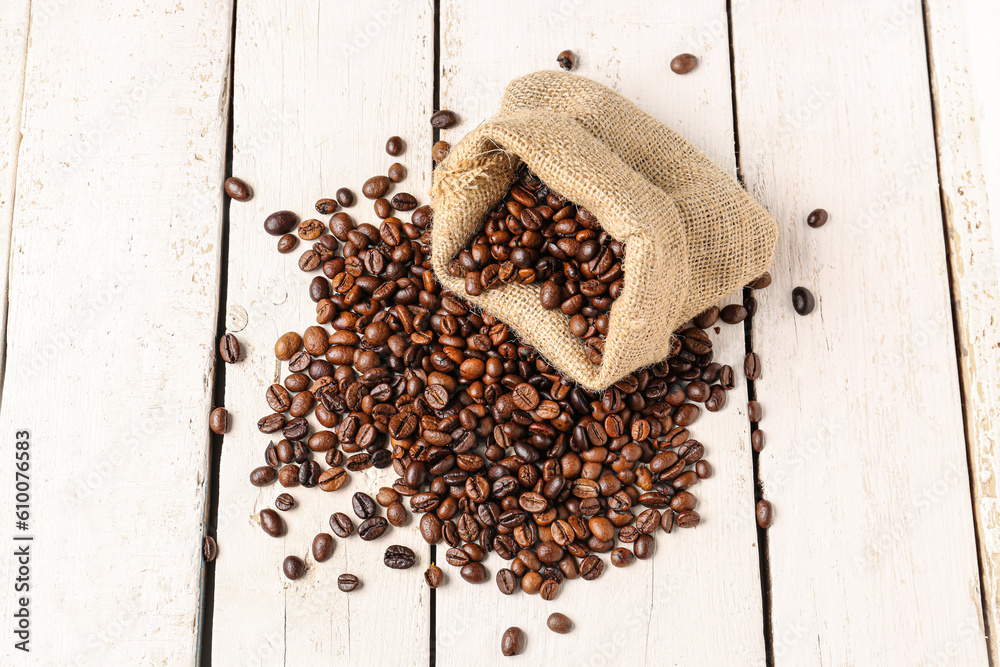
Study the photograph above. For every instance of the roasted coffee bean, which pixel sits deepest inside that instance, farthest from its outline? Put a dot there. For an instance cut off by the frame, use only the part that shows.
(566, 60)
(218, 421)
(263, 476)
(762, 282)
(310, 230)
(751, 366)
(277, 398)
(404, 201)
(591, 568)
(284, 502)
(430, 528)
(621, 557)
(288, 476)
(506, 581)
(396, 514)
(348, 582)
(444, 119)
(322, 547)
(394, 146)
(688, 519)
(559, 623)
(707, 318)
(209, 550)
(280, 222)
(345, 197)
(332, 478)
(434, 576)
(644, 547)
(399, 557)
(512, 642)
(817, 218)
(373, 528)
(229, 348)
(734, 313)
(287, 243)
(293, 567)
(474, 573)
(757, 440)
(364, 506)
(683, 64)
(309, 473)
(375, 187)
(295, 429)
(271, 523)
(396, 172)
(341, 524)
(287, 345)
(238, 189)
(803, 301)
(765, 514)
(440, 150)
(727, 379)
(549, 589)
(754, 412)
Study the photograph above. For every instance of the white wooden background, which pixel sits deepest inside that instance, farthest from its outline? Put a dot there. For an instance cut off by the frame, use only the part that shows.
(880, 407)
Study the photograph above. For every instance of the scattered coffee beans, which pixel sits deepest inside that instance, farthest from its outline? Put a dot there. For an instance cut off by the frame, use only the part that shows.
(751, 366)
(271, 523)
(238, 189)
(280, 222)
(399, 557)
(293, 567)
(683, 64)
(566, 60)
(757, 440)
(287, 243)
(394, 146)
(803, 301)
(348, 582)
(322, 547)
(512, 642)
(218, 421)
(345, 197)
(229, 348)
(765, 514)
(444, 119)
(434, 576)
(817, 218)
(284, 502)
(559, 623)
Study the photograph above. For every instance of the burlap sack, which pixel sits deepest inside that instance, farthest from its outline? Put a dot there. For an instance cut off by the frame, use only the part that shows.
(692, 235)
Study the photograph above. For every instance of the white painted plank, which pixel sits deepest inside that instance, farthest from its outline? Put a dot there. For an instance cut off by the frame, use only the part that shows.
(872, 553)
(709, 575)
(319, 89)
(964, 63)
(13, 49)
(114, 290)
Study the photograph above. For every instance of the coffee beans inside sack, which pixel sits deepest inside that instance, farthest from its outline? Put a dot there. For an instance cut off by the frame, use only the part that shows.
(686, 233)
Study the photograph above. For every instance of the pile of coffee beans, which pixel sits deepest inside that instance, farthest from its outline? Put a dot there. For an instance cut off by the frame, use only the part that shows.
(534, 235)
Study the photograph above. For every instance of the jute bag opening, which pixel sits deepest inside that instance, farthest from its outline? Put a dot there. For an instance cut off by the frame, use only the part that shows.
(691, 234)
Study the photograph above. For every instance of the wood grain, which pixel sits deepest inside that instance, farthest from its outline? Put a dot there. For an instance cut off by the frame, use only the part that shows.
(872, 552)
(710, 574)
(14, 18)
(319, 90)
(964, 63)
(113, 295)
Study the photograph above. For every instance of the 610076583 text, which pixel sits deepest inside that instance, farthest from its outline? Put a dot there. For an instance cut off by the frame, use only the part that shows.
(22, 540)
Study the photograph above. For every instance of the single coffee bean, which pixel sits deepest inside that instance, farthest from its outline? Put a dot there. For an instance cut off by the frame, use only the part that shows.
(373, 528)
(430, 528)
(399, 557)
(751, 366)
(289, 476)
(803, 301)
(364, 506)
(287, 243)
(238, 189)
(621, 557)
(512, 642)
(754, 411)
(440, 150)
(341, 525)
(404, 201)
(683, 64)
(345, 198)
(396, 514)
(734, 313)
(644, 547)
(229, 348)
(322, 547)
(287, 345)
(762, 282)
(817, 218)
(218, 421)
(293, 567)
(506, 581)
(326, 206)
(394, 146)
(765, 514)
(310, 230)
(396, 172)
(277, 398)
(444, 119)
(549, 589)
(727, 379)
(209, 550)
(284, 502)
(591, 568)
(271, 523)
(280, 222)
(263, 476)
(348, 582)
(566, 60)
(332, 478)
(434, 576)
(688, 519)
(707, 318)
(757, 440)
(559, 623)
(375, 187)
(474, 573)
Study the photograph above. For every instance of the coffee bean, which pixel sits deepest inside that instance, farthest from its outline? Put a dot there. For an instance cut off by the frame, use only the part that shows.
(683, 64)
(229, 348)
(512, 642)
(803, 301)
(734, 313)
(762, 282)
(399, 557)
(559, 623)
(751, 366)
(310, 230)
(341, 525)
(444, 119)
(754, 411)
(591, 568)
(332, 478)
(218, 421)
(727, 379)
(396, 172)
(765, 514)
(566, 60)
(644, 547)
(289, 476)
(263, 476)
(757, 440)
(277, 397)
(688, 519)
(474, 573)
(345, 198)
(375, 187)
(434, 576)
(404, 201)
(707, 318)
(293, 567)
(348, 582)
(284, 502)
(364, 506)
(271, 523)
(322, 547)
(394, 146)
(440, 150)
(287, 243)
(621, 557)
(209, 550)
(280, 222)
(506, 581)
(287, 345)
(238, 189)
(817, 218)
(373, 528)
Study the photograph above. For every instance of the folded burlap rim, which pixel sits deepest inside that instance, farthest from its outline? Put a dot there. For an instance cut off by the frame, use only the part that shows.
(691, 234)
